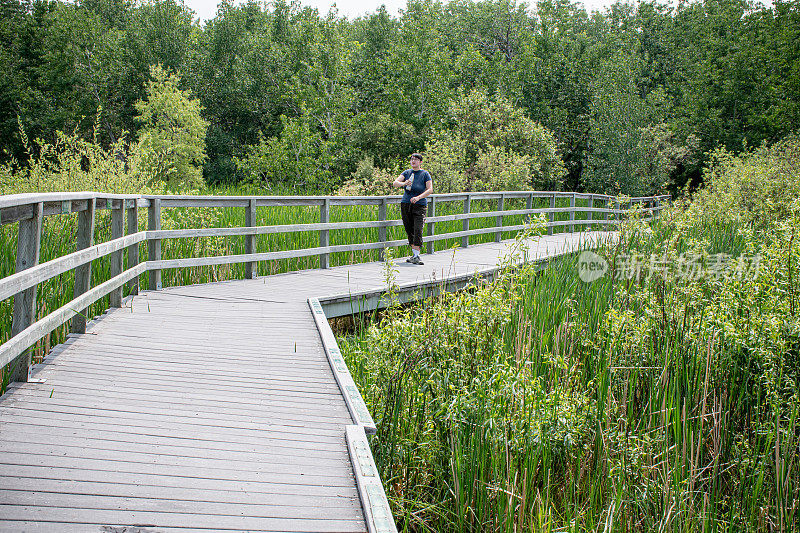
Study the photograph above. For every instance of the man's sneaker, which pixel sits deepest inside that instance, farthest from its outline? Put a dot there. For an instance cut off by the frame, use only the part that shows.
(410, 259)
(416, 260)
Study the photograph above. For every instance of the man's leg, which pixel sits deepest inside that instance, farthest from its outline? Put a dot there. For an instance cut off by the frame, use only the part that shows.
(418, 214)
(408, 223)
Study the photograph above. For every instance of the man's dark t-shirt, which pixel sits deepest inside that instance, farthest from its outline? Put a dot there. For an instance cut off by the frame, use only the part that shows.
(421, 179)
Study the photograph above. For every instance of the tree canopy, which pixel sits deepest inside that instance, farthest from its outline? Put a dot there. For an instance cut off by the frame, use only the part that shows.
(628, 100)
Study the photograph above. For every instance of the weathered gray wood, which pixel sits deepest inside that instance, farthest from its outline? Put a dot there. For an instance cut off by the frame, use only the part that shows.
(268, 230)
(27, 337)
(83, 273)
(431, 223)
(572, 213)
(552, 214)
(465, 238)
(300, 508)
(117, 231)
(154, 245)
(68, 486)
(12, 200)
(133, 249)
(251, 268)
(332, 468)
(324, 235)
(355, 403)
(377, 513)
(499, 220)
(29, 237)
(529, 205)
(193, 520)
(33, 276)
(269, 256)
(589, 212)
(382, 230)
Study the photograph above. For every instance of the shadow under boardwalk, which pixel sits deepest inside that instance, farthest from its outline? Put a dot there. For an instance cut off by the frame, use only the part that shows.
(207, 407)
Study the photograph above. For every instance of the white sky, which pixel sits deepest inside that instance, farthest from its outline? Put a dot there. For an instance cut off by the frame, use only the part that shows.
(206, 9)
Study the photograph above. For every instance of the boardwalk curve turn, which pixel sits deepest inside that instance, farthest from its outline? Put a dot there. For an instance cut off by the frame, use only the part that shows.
(216, 407)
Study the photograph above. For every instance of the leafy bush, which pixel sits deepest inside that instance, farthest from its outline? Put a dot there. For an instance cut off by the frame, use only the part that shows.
(479, 133)
(171, 146)
(70, 164)
(299, 156)
(368, 180)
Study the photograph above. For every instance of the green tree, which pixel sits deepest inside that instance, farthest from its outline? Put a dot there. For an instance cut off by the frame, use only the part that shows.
(171, 147)
(480, 131)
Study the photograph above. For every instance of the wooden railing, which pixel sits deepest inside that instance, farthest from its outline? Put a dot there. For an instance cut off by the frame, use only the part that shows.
(29, 210)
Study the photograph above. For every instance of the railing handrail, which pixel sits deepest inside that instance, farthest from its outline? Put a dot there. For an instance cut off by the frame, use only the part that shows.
(17, 207)
(30, 209)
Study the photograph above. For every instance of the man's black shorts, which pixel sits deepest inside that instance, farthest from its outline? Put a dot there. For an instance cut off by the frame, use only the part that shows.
(413, 220)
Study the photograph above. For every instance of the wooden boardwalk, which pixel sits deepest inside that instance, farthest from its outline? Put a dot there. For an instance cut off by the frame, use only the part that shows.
(209, 407)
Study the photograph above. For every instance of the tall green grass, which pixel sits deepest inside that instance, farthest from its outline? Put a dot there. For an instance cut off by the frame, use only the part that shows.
(540, 402)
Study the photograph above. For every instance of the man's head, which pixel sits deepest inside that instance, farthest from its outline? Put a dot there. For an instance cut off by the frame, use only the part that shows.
(416, 161)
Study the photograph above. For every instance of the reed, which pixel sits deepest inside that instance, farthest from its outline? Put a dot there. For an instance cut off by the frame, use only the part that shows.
(541, 402)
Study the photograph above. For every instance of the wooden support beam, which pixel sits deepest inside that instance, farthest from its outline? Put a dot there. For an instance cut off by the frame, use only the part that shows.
(382, 230)
(552, 214)
(529, 206)
(572, 213)
(324, 235)
(251, 269)
(431, 225)
(29, 240)
(154, 245)
(499, 220)
(467, 207)
(133, 250)
(589, 205)
(83, 273)
(117, 229)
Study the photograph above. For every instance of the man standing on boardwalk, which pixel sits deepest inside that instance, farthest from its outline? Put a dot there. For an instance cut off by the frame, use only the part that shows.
(419, 186)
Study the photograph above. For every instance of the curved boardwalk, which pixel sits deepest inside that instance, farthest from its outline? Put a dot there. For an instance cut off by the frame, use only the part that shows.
(208, 407)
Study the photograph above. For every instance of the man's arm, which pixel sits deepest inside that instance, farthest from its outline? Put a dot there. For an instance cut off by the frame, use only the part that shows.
(427, 192)
(399, 182)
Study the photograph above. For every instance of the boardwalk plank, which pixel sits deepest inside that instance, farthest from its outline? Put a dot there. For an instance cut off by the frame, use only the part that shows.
(265, 508)
(149, 519)
(97, 488)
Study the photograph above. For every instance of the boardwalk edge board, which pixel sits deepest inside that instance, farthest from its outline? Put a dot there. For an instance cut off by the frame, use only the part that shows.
(355, 403)
(377, 513)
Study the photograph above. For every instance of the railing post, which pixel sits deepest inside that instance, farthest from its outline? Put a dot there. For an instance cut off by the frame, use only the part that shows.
(589, 205)
(656, 205)
(29, 239)
(117, 231)
(251, 268)
(467, 207)
(606, 205)
(324, 235)
(154, 245)
(552, 214)
(382, 230)
(572, 213)
(431, 225)
(83, 273)
(529, 205)
(499, 220)
(133, 249)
